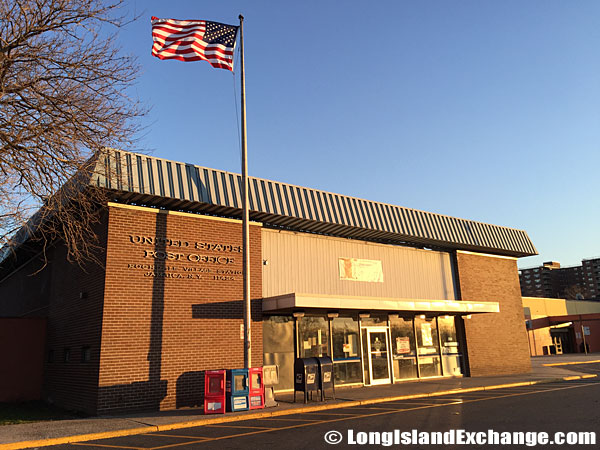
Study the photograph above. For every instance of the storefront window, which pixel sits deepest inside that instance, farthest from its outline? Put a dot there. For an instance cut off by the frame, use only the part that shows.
(278, 348)
(451, 354)
(404, 355)
(313, 337)
(373, 321)
(428, 347)
(346, 350)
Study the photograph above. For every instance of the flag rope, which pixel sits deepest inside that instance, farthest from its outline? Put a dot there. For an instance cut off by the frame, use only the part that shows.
(237, 117)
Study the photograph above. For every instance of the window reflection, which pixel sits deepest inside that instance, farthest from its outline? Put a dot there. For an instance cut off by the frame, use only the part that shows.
(404, 355)
(345, 338)
(278, 348)
(346, 351)
(451, 354)
(313, 337)
(428, 347)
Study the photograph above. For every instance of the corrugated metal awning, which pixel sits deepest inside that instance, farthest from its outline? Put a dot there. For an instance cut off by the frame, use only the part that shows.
(158, 182)
(295, 301)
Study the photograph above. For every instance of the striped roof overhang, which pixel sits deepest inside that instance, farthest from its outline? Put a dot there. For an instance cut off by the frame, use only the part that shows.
(146, 180)
(295, 301)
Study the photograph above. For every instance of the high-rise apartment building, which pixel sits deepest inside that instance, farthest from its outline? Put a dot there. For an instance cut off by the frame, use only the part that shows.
(550, 280)
(591, 276)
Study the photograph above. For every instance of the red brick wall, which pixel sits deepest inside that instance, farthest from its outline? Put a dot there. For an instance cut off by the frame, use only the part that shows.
(74, 322)
(496, 342)
(592, 340)
(22, 349)
(23, 293)
(70, 297)
(164, 326)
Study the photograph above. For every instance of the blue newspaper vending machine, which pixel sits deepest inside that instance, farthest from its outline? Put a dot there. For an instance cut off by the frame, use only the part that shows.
(237, 390)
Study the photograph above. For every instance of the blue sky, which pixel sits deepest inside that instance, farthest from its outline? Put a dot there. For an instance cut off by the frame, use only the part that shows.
(486, 110)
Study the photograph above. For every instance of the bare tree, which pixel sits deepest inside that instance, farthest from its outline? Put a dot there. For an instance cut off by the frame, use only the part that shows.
(63, 83)
(576, 292)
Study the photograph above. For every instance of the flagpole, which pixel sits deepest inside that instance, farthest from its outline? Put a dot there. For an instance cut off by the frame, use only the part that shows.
(245, 210)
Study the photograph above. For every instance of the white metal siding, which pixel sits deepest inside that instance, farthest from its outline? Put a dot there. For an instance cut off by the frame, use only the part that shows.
(308, 264)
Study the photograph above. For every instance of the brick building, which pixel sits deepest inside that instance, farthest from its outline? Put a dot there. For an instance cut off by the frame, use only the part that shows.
(550, 280)
(557, 326)
(390, 293)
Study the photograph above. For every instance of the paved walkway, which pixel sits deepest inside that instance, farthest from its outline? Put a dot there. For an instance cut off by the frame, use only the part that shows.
(50, 433)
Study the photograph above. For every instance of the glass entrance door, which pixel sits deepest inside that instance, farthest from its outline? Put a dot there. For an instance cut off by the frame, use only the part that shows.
(377, 353)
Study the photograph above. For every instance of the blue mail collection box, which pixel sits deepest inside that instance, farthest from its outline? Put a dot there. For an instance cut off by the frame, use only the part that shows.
(237, 390)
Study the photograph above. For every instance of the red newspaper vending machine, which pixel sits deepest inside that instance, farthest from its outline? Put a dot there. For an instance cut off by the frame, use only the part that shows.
(257, 388)
(214, 392)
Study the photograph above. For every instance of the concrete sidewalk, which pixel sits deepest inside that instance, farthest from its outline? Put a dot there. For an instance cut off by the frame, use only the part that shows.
(60, 432)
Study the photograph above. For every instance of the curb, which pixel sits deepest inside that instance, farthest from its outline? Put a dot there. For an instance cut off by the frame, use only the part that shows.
(570, 363)
(260, 415)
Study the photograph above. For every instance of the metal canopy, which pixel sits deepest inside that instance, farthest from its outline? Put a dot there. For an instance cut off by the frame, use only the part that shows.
(146, 180)
(295, 301)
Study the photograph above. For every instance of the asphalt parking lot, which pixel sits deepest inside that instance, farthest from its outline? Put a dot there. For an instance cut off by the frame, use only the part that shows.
(471, 410)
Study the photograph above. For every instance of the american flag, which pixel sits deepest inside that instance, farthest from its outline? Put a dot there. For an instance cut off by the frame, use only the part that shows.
(194, 40)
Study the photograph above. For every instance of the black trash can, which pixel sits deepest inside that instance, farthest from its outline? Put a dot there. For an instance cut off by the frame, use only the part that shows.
(326, 376)
(306, 376)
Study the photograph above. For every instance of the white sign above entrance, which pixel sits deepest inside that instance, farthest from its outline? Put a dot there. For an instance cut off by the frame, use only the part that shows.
(354, 269)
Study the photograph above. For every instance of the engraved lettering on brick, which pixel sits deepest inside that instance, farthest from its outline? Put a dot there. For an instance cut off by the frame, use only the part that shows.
(217, 256)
